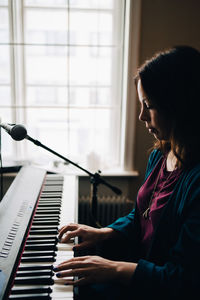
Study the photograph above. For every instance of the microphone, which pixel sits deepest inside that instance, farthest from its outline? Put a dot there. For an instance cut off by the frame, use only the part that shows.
(17, 132)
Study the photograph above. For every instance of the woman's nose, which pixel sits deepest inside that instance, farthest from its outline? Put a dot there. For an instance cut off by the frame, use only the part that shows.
(144, 115)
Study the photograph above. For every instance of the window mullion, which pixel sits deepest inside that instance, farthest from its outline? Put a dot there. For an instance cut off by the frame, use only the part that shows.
(12, 63)
(18, 69)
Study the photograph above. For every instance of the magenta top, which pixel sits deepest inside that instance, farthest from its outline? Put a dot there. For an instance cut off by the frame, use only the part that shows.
(165, 186)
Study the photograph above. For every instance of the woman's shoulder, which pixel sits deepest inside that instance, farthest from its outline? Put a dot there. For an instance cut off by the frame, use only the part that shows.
(154, 156)
(193, 174)
(189, 185)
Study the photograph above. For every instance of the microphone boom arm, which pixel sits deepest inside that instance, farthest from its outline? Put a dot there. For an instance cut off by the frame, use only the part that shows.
(37, 143)
(95, 180)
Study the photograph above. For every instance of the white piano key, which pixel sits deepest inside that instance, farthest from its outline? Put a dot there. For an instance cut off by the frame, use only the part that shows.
(65, 246)
(60, 290)
(69, 201)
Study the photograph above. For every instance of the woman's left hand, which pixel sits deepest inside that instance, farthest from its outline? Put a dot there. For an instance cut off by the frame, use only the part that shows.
(94, 269)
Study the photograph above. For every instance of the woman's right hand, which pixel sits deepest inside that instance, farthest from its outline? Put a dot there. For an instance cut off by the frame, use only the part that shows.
(90, 236)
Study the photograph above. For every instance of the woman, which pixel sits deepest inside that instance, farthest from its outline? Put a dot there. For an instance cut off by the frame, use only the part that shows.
(162, 234)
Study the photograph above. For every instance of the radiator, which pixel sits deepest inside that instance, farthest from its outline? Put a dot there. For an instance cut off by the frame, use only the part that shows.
(109, 209)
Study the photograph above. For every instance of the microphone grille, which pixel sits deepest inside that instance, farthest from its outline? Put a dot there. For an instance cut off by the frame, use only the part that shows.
(18, 132)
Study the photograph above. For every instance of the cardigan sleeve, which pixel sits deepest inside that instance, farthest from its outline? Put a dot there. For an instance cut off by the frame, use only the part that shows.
(125, 224)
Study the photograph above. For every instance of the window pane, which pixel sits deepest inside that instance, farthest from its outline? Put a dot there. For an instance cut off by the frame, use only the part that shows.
(3, 2)
(94, 4)
(47, 95)
(4, 30)
(103, 4)
(46, 26)
(50, 127)
(90, 28)
(74, 96)
(6, 115)
(90, 133)
(5, 99)
(45, 3)
(46, 65)
(91, 66)
(84, 96)
(6, 141)
(4, 65)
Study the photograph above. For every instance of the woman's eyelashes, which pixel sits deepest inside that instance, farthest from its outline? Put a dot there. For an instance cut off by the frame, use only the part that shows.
(147, 105)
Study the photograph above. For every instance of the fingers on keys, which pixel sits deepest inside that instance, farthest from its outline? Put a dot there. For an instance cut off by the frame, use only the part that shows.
(67, 232)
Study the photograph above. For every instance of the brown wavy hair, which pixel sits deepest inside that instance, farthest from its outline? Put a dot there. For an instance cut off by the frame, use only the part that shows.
(171, 81)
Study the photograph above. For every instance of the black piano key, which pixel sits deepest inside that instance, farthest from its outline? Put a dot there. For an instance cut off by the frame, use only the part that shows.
(47, 227)
(35, 267)
(54, 183)
(45, 222)
(51, 182)
(41, 247)
(53, 196)
(47, 216)
(44, 296)
(48, 220)
(44, 237)
(38, 253)
(33, 290)
(50, 200)
(50, 208)
(50, 197)
(41, 242)
(49, 203)
(50, 189)
(37, 280)
(43, 231)
(38, 259)
(48, 212)
(34, 273)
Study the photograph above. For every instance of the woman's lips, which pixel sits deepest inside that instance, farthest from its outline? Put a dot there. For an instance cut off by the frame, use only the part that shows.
(152, 130)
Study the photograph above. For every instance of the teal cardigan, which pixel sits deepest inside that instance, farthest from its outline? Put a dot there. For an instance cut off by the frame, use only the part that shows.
(171, 269)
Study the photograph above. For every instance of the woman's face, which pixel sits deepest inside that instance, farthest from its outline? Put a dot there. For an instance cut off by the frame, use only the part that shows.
(152, 118)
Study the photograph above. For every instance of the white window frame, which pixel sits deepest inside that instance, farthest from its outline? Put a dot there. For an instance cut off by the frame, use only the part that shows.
(131, 53)
(131, 62)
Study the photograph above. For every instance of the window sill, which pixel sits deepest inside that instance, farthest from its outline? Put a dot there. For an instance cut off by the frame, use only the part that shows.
(68, 169)
(113, 173)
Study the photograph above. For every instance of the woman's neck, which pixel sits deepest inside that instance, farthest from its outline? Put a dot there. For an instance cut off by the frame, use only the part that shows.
(171, 161)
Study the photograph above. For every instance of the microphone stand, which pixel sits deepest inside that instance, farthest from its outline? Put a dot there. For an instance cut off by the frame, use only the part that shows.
(95, 180)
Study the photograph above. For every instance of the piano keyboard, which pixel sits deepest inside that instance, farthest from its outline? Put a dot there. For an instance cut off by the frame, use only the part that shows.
(57, 206)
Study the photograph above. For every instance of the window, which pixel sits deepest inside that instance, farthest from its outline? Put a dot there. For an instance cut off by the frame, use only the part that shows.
(61, 69)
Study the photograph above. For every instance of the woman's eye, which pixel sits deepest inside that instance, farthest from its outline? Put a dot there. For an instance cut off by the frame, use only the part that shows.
(147, 106)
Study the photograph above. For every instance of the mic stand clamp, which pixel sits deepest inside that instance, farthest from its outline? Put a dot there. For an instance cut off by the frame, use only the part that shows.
(95, 181)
